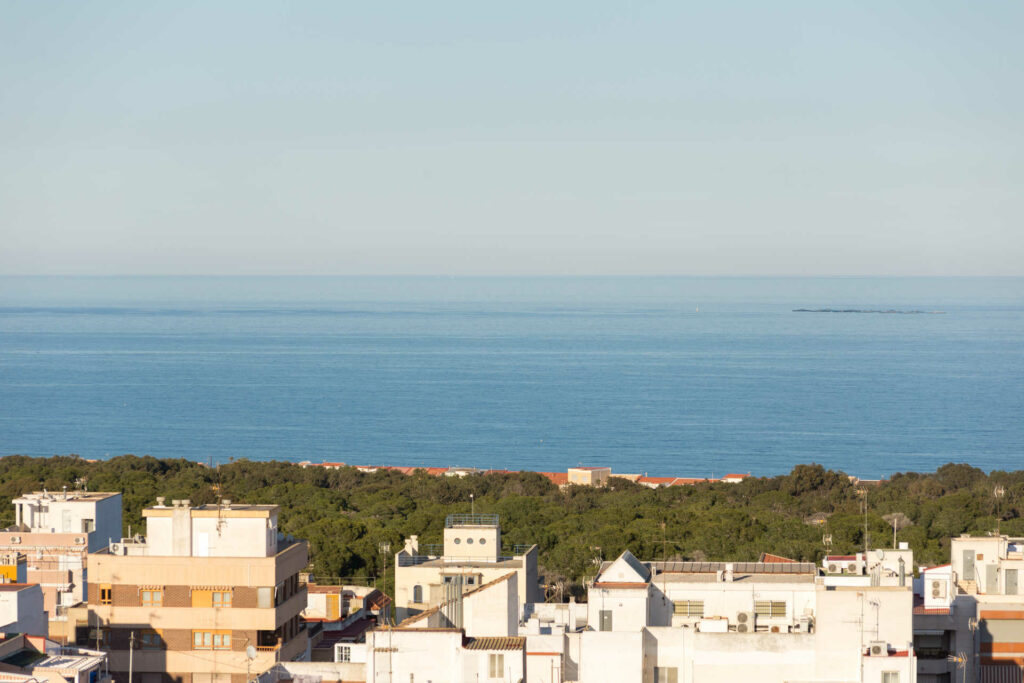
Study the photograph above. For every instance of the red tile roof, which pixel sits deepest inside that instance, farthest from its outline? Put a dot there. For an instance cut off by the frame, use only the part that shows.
(931, 610)
(768, 557)
(557, 478)
(504, 643)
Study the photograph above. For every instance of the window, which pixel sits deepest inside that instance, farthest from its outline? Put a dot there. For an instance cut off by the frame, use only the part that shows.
(470, 580)
(666, 674)
(483, 541)
(688, 608)
(88, 526)
(496, 666)
(222, 598)
(344, 653)
(605, 620)
(458, 541)
(890, 677)
(152, 598)
(417, 593)
(211, 640)
(106, 596)
(770, 608)
(469, 540)
(151, 640)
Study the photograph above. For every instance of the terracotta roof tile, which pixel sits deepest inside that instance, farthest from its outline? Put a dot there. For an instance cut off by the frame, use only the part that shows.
(505, 643)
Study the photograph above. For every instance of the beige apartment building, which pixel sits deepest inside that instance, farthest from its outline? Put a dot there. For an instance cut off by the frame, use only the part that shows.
(55, 532)
(205, 585)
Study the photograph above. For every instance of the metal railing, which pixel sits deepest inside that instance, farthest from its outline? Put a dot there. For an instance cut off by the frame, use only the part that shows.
(470, 520)
(413, 560)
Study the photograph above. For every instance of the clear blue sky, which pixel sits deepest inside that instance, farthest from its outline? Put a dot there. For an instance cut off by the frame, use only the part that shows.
(512, 138)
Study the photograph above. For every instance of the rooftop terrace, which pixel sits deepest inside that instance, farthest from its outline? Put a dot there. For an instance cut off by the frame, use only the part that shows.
(461, 520)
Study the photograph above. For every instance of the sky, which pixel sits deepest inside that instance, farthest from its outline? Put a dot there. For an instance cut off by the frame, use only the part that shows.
(715, 138)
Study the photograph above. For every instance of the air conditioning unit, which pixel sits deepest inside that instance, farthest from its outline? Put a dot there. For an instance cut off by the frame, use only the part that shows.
(805, 625)
(744, 622)
(15, 539)
(833, 568)
(852, 568)
(879, 648)
(116, 549)
(938, 589)
(80, 540)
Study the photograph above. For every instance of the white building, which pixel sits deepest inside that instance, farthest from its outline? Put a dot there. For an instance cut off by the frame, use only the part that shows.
(470, 557)
(468, 638)
(973, 609)
(21, 609)
(55, 532)
(34, 659)
(654, 622)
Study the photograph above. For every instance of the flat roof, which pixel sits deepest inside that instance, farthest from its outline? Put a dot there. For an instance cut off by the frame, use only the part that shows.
(737, 578)
(214, 510)
(761, 568)
(61, 496)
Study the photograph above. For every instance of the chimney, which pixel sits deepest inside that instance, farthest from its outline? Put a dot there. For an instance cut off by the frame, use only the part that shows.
(727, 574)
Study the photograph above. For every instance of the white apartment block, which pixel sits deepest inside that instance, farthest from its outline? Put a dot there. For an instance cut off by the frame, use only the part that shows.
(471, 556)
(972, 610)
(56, 531)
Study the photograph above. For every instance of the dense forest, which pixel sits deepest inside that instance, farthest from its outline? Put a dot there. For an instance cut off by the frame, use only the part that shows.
(346, 515)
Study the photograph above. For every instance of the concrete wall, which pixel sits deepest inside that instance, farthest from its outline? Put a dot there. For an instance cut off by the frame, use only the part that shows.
(479, 542)
(764, 657)
(108, 523)
(612, 657)
(493, 611)
(628, 607)
(429, 656)
(180, 532)
(21, 611)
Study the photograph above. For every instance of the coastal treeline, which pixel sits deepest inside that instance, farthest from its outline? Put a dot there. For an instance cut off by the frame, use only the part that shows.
(347, 515)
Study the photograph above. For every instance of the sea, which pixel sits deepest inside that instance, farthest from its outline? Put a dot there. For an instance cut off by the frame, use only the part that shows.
(668, 376)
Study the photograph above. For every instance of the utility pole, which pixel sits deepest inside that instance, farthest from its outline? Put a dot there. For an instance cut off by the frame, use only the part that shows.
(131, 655)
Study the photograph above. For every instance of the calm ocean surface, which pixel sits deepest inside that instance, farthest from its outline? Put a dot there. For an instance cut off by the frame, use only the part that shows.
(519, 373)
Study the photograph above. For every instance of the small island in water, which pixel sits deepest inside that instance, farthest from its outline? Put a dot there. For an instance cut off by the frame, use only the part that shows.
(865, 310)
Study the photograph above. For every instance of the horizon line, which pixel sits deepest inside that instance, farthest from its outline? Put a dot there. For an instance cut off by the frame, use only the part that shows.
(793, 276)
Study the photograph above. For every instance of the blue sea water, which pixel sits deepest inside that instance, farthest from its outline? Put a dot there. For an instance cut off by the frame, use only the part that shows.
(669, 376)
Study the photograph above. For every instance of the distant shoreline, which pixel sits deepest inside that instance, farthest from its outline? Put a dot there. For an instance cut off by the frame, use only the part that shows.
(866, 310)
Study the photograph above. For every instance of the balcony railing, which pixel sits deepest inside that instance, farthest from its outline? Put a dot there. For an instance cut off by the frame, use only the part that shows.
(470, 520)
(413, 560)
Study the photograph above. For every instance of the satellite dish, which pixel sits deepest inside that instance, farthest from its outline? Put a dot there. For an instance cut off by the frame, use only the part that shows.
(250, 652)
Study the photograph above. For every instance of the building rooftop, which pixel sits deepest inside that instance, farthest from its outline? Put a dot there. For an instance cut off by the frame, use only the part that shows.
(675, 567)
(502, 643)
(83, 496)
(225, 508)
